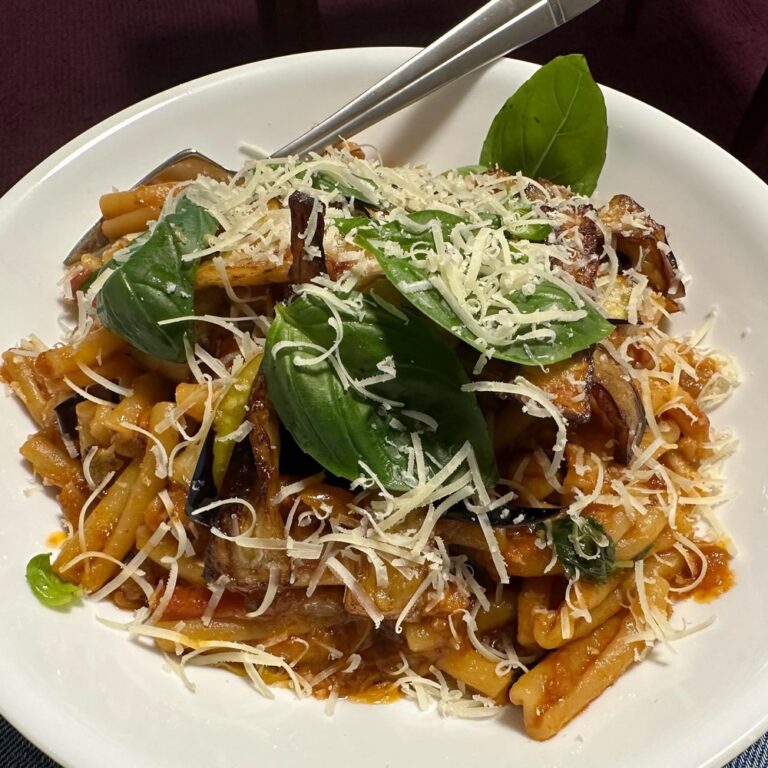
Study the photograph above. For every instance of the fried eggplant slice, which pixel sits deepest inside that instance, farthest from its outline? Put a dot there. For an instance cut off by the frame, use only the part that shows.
(585, 242)
(617, 398)
(643, 242)
(253, 476)
(568, 384)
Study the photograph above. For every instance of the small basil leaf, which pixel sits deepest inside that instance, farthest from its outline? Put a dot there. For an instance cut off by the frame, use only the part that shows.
(536, 233)
(583, 548)
(154, 284)
(465, 170)
(345, 226)
(339, 427)
(554, 126)
(569, 337)
(47, 587)
(327, 182)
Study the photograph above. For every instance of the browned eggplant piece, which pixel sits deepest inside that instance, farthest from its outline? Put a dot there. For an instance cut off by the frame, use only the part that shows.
(508, 517)
(534, 191)
(252, 475)
(304, 267)
(643, 242)
(568, 384)
(66, 416)
(66, 419)
(617, 398)
(583, 236)
(585, 243)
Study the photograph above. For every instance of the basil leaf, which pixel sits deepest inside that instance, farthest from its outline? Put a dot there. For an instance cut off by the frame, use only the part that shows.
(583, 547)
(569, 337)
(536, 233)
(339, 427)
(465, 170)
(329, 183)
(554, 126)
(47, 587)
(155, 284)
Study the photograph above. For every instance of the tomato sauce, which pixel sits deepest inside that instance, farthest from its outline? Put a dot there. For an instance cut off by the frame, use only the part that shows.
(719, 577)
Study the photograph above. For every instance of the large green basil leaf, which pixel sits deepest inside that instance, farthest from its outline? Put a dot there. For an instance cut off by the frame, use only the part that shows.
(408, 238)
(569, 337)
(154, 284)
(554, 126)
(339, 427)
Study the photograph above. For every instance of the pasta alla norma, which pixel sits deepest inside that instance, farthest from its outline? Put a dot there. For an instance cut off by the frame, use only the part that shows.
(374, 432)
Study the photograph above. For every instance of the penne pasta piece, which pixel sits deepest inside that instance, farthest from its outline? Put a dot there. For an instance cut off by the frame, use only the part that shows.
(119, 367)
(19, 372)
(130, 222)
(115, 204)
(536, 594)
(590, 606)
(566, 681)
(71, 499)
(133, 409)
(98, 524)
(688, 415)
(475, 670)
(427, 635)
(147, 485)
(50, 462)
(191, 400)
(190, 568)
(639, 538)
(95, 348)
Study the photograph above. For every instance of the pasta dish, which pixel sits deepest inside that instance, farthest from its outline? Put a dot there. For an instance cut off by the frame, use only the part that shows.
(373, 432)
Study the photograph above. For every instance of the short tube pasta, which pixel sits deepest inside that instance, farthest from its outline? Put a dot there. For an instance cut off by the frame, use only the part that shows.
(374, 432)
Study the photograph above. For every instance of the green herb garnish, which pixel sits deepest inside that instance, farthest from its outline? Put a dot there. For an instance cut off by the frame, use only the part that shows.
(554, 127)
(47, 587)
(154, 284)
(582, 547)
(340, 427)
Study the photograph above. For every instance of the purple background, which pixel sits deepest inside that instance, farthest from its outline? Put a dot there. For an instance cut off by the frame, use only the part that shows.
(67, 64)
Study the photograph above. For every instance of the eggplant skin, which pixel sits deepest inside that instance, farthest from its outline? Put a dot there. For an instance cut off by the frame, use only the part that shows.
(643, 242)
(579, 230)
(252, 475)
(66, 420)
(202, 489)
(617, 398)
(303, 269)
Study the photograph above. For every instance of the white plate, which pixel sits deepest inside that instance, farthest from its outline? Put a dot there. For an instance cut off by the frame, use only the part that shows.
(90, 698)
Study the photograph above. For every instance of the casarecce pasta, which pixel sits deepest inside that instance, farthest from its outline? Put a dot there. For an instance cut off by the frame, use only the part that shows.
(372, 432)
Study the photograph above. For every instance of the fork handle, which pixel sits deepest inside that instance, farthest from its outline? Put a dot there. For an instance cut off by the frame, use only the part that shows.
(493, 30)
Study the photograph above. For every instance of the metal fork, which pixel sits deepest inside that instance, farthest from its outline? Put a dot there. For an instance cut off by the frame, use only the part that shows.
(495, 29)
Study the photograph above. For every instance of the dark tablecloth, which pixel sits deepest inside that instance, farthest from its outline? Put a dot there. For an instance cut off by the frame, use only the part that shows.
(17, 752)
(66, 64)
